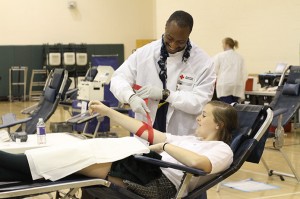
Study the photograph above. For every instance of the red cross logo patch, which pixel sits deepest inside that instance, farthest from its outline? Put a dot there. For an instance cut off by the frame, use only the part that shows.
(181, 76)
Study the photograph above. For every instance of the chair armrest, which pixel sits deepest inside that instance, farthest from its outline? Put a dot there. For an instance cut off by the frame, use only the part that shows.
(29, 109)
(83, 117)
(165, 164)
(10, 120)
(71, 91)
(279, 111)
(69, 95)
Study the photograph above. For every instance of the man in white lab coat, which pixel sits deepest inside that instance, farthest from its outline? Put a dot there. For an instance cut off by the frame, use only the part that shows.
(174, 74)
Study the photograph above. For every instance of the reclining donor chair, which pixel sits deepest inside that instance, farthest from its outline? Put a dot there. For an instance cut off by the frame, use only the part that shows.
(56, 85)
(247, 145)
(286, 103)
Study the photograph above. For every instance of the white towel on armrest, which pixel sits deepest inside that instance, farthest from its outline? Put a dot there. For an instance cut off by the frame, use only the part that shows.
(56, 162)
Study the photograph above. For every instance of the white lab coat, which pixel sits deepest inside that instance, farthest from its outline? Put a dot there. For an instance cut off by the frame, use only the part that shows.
(188, 94)
(231, 74)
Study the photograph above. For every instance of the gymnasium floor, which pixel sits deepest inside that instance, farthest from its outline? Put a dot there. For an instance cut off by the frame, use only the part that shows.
(288, 189)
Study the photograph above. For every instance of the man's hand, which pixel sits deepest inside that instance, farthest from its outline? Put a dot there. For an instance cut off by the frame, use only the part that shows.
(138, 105)
(151, 92)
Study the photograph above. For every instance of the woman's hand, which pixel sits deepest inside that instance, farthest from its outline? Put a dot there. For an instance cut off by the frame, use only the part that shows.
(157, 147)
(98, 107)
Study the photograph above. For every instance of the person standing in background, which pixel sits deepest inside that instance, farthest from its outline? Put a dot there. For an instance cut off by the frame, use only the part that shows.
(174, 74)
(231, 73)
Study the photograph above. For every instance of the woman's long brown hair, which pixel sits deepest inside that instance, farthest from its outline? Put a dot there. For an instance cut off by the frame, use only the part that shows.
(226, 117)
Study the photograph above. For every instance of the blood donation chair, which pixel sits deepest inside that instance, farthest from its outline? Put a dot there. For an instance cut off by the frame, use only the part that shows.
(286, 101)
(247, 145)
(56, 85)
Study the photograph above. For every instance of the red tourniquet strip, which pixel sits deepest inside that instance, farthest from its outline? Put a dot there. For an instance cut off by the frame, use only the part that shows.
(146, 126)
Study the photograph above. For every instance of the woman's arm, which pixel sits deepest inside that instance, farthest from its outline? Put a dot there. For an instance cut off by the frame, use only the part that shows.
(184, 156)
(128, 123)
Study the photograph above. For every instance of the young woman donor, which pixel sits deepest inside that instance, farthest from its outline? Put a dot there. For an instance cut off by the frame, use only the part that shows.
(208, 150)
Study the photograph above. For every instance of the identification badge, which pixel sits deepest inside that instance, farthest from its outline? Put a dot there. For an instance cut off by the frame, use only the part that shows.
(185, 82)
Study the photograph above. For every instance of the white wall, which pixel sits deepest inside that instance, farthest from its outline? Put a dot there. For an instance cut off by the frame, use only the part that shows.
(268, 30)
(94, 21)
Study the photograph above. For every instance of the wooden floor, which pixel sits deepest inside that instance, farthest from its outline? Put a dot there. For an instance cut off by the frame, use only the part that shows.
(288, 189)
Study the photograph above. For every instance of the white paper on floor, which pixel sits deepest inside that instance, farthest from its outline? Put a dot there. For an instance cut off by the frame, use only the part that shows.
(249, 185)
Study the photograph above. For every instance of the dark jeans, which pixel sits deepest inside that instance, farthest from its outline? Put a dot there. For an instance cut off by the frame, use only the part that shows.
(14, 167)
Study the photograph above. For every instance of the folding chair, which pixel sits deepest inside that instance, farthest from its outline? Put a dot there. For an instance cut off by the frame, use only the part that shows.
(286, 102)
(247, 145)
(56, 85)
(52, 56)
(75, 60)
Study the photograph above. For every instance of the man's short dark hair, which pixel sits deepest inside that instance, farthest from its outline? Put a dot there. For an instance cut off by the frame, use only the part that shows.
(182, 18)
